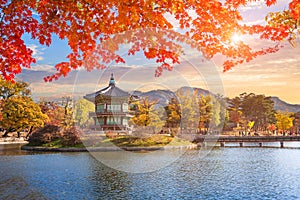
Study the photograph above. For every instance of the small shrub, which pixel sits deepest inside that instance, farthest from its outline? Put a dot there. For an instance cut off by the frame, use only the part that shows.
(45, 135)
(50, 134)
(71, 136)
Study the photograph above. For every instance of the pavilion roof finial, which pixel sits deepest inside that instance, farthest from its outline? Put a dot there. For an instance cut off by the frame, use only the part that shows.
(112, 80)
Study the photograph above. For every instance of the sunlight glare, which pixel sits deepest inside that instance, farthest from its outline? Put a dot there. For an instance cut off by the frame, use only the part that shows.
(236, 38)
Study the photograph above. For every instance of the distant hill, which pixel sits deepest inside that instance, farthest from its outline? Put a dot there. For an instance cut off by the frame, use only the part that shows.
(190, 89)
(164, 96)
(283, 106)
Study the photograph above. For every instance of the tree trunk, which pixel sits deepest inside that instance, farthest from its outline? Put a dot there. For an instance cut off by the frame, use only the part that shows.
(7, 131)
(29, 132)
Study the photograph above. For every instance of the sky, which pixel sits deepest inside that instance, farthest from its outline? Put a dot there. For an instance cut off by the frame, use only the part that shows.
(273, 75)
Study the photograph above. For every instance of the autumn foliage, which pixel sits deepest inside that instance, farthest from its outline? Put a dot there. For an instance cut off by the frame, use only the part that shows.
(96, 29)
(18, 111)
(53, 111)
(52, 133)
(1, 107)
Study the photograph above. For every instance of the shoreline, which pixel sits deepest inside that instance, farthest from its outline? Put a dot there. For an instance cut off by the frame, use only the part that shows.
(10, 140)
(105, 149)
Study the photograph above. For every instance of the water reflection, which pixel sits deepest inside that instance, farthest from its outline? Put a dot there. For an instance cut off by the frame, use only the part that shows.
(17, 188)
(137, 162)
(15, 150)
(11, 149)
(225, 173)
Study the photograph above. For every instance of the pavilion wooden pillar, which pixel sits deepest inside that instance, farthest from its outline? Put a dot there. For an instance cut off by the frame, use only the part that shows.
(241, 144)
(281, 144)
(222, 144)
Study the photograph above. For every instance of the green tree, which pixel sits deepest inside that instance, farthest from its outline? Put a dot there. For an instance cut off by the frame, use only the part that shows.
(213, 113)
(226, 119)
(224, 114)
(82, 108)
(205, 109)
(216, 113)
(158, 116)
(296, 121)
(20, 113)
(235, 112)
(173, 112)
(258, 108)
(189, 109)
(284, 120)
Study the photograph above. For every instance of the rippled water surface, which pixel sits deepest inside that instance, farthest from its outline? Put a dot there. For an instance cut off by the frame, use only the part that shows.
(225, 173)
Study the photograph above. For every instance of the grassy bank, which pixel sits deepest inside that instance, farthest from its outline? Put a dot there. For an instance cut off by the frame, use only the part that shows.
(152, 141)
(120, 141)
(56, 144)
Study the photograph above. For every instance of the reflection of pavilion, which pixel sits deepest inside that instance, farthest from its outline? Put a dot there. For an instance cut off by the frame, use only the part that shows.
(111, 106)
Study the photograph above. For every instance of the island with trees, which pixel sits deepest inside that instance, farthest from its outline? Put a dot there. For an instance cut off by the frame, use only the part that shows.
(69, 123)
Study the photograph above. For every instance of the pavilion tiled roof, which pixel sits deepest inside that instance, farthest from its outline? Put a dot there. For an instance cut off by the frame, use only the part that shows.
(111, 90)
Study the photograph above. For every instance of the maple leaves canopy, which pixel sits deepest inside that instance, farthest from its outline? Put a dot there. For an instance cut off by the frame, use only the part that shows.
(88, 24)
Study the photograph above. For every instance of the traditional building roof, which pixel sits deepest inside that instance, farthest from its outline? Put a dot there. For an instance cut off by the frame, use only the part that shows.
(111, 90)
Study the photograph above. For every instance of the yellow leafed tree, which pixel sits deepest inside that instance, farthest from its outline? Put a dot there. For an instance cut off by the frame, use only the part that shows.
(20, 113)
(284, 120)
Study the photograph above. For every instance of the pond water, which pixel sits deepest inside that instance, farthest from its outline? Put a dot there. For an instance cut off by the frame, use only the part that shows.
(225, 173)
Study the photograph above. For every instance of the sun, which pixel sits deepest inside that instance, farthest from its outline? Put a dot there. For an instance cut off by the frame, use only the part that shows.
(236, 38)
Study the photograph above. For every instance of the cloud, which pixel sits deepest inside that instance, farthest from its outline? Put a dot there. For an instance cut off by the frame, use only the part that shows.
(36, 73)
(253, 5)
(255, 22)
(283, 61)
(45, 68)
(273, 74)
(32, 76)
(53, 90)
(37, 52)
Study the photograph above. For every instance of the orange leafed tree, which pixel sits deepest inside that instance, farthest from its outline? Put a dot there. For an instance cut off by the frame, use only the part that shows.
(87, 25)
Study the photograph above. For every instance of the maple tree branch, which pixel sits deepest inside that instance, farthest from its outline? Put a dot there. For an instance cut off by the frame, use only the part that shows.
(86, 23)
(1, 21)
(85, 2)
(2, 18)
(3, 14)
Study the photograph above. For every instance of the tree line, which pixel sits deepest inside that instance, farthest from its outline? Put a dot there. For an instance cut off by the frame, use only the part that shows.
(256, 112)
(20, 113)
(189, 112)
(198, 113)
